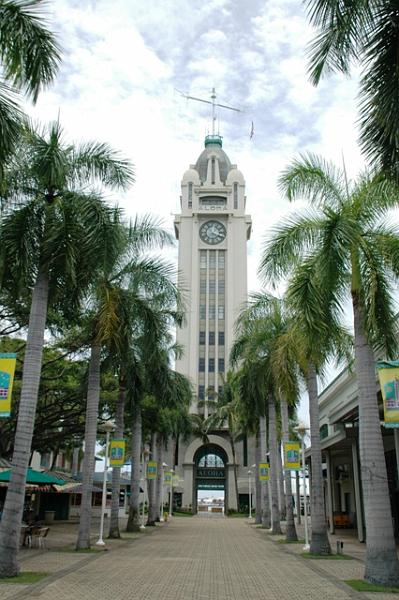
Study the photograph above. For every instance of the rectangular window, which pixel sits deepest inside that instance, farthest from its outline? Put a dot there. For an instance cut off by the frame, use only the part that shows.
(221, 365)
(211, 368)
(202, 311)
(236, 195)
(201, 364)
(221, 312)
(202, 338)
(211, 392)
(211, 338)
(190, 195)
(201, 392)
(221, 286)
(203, 260)
(212, 312)
(212, 259)
(221, 338)
(212, 286)
(213, 170)
(203, 286)
(221, 259)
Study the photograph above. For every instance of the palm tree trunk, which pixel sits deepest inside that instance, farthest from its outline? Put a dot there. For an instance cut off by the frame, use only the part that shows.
(133, 523)
(152, 487)
(276, 527)
(290, 530)
(319, 543)
(93, 398)
(281, 494)
(382, 565)
(233, 452)
(114, 531)
(159, 485)
(264, 484)
(258, 485)
(10, 524)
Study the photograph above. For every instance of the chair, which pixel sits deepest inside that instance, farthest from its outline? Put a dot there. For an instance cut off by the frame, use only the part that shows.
(40, 534)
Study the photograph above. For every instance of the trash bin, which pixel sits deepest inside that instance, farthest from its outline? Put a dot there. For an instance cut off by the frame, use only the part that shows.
(49, 516)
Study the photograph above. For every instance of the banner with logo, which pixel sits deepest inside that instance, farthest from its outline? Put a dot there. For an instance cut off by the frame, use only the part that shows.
(388, 374)
(152, 469)
(7, 369)
(292, 456)
(167, 478)
(117, 453)
(264, 471)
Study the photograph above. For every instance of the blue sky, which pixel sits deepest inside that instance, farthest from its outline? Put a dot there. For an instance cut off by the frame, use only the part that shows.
(124, 59)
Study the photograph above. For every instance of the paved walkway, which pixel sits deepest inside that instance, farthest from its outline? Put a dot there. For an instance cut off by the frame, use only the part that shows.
(191, 559)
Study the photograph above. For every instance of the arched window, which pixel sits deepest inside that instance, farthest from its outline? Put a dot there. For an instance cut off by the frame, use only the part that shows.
(211, 460)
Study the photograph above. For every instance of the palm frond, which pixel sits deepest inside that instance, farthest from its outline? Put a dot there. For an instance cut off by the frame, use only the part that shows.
(95, 161)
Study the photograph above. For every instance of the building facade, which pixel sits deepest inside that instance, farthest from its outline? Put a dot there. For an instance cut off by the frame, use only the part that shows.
(212, 230)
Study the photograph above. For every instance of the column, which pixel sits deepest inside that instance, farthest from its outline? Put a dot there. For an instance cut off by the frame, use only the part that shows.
(330, 502)
(358, 497)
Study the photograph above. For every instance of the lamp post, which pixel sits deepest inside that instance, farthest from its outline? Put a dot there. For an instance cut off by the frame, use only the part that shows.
(146, 454)
(301, 429)
(107, 427)
(250, 493)
(255, 476)
(161, 518)
(171, 494)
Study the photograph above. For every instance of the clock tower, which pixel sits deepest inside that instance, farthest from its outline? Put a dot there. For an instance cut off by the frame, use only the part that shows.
(212, 230)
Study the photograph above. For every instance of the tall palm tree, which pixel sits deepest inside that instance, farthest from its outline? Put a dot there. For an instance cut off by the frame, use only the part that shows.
(122, 293)
(365, 34)
(29, 57)
(51, 243)
(346, 247)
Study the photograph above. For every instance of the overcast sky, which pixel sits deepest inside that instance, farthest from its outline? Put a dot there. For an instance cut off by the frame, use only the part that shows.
(124, 59)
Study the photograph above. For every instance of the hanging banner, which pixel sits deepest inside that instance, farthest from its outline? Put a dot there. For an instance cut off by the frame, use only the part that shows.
(292, 456)
(117, 453)
(167, 478)
(152, 469)
(388, 374)
(264, 471)
(7, 369)
(176, 480)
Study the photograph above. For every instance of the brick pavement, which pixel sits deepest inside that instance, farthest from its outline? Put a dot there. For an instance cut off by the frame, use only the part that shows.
(191, 559)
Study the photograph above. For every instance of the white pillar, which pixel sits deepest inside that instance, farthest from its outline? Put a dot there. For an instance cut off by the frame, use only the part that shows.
(358, 498)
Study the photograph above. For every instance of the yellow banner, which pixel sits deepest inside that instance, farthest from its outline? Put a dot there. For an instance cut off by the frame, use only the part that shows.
(388, 374)
(167, 478)
(264, 471)
(292, 456)
(152, 469)
(7, 369)
(117, 453)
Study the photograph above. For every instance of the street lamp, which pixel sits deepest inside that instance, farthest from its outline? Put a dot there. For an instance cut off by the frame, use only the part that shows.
(250, 493)
(161, 518)
(108, 427)
(301, 429)
(146, 455)
(171, 493)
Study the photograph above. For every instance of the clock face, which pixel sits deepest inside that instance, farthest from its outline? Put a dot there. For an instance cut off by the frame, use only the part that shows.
(212, 232)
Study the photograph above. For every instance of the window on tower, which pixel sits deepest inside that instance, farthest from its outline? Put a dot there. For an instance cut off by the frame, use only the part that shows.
(201, 364)
(221, 259)
(201, 392)
(221, 312)
(211, 365)
(202, 311)
(236, 195)
(190, 195)
(221, 338)
(212, 312)
(212, 286)
(211, 338)
(213, 173)
(203, 260)
(203, 286)
(221, 365)
(202, 338)
(221, 286)
(212, 260)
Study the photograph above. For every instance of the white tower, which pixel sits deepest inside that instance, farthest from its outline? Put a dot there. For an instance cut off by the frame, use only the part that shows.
(212, 230)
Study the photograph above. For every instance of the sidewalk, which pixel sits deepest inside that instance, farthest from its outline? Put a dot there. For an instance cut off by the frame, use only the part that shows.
(188, 559)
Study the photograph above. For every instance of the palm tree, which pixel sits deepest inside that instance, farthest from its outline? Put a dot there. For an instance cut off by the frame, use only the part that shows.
(347, 248)
(50, 246)
(363, 33)
(30, 58)
(121, 295)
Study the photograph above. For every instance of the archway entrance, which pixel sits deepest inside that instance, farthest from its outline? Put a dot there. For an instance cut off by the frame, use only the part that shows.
(210, 480)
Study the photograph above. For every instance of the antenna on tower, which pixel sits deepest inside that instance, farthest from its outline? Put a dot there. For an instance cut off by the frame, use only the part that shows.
(213, 103)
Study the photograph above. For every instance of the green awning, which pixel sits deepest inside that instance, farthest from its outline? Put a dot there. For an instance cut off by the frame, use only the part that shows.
(34, 477)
